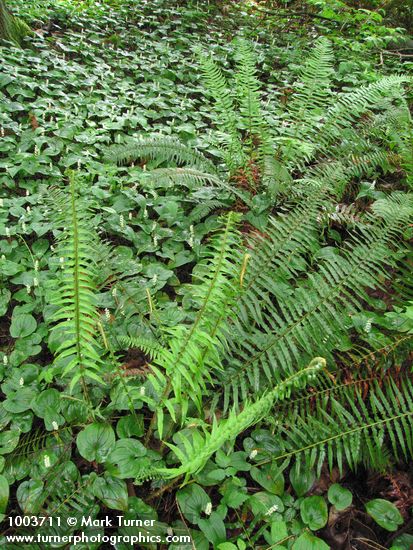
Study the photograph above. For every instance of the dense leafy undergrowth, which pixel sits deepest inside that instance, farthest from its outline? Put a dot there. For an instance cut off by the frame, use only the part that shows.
(205, 277)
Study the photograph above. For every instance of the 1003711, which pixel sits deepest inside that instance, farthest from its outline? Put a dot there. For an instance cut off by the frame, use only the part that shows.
(33, 521)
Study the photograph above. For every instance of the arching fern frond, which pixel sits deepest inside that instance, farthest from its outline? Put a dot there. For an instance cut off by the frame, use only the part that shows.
(349, 107)
(342, 425)
(312, 317)
(280, 255)
(189, 177)
(193, 354)
(196, 453)
(160, 148)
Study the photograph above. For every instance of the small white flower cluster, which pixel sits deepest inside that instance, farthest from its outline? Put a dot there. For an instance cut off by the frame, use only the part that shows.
(47, 463)
(208, 509)
(107, 314)
(271, 510)
(121, 222)
(55, 425)
(253, 454)
(191, 236)
(36, 270)
(367, 326)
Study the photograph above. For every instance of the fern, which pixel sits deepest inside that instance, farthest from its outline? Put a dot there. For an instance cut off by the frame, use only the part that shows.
(248, 96)
(339, 424)
(313, 94)
(321, 133)
(349, 107)
(161, 149)
(192, 354)
(297, 322)
(396, 123)
(195, 455)
(219, 88)
(76, 314)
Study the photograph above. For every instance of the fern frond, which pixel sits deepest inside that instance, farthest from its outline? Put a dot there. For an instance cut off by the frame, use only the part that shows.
(189, 177)
(197, 452)
(343, 425)
(217, 85)
(161, 149)
(313, 93)
(204, 208)
(397, 126)
(280, 255)
(249, 99)
(77, 315)
(311, 318)
(349, 107)
(194, 350)
(150, 347)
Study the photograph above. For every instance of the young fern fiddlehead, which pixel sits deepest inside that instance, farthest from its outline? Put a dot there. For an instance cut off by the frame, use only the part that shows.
(196, 454)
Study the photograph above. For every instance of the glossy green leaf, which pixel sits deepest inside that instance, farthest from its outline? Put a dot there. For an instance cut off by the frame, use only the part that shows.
(314, 512)
(340, 497)
(127, 455)
(307, 541)
(193, 501)
(112, 492)
(385, 514)
(22, 325)
(95, 442)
